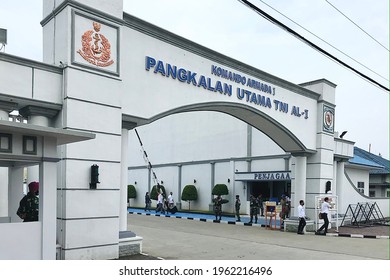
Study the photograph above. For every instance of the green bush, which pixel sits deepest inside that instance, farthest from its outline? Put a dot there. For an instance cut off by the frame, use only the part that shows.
(154, 194)
(131, 192)
(220, 189)
(189, 194)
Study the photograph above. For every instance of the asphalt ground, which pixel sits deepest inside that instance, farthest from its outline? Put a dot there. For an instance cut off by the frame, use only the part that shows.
(172, 238)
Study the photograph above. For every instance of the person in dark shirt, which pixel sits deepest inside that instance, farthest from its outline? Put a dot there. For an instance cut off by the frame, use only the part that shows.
(148, 202)
(28, 209)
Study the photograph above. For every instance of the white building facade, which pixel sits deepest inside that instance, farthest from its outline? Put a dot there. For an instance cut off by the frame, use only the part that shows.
(203, 116)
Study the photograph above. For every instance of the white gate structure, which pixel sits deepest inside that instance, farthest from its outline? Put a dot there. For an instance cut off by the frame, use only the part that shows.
(105, 72)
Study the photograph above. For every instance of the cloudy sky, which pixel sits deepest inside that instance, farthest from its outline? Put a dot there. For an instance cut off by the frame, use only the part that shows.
(232, 29)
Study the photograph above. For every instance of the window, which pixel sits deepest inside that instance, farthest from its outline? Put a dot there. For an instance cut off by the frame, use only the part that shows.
(360, 187)
(5, 143)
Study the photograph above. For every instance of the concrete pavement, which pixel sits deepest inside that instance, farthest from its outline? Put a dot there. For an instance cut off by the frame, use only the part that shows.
(182, 239)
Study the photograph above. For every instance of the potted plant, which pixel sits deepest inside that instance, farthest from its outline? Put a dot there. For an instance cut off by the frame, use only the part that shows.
(131, 192)
(221, 189)
(189, 194)
(154, 191)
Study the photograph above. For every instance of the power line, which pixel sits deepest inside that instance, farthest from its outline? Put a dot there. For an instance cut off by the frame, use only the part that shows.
(356, 24)
(361, 64)
(306, 41)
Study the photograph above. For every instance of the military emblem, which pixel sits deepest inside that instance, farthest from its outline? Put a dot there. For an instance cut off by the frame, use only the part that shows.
(328, 119)
(96, 49)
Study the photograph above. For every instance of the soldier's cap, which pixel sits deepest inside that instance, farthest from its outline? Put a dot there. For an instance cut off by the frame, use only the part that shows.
(33, 186)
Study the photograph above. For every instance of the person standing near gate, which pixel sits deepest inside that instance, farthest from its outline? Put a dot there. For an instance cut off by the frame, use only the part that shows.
(171, 201)
(160, 201)
(218, 207)
(237, 206)
(253, 204)
(148, 202)
(29, 205)
(301, 216)
(324, 214)
(260, 201)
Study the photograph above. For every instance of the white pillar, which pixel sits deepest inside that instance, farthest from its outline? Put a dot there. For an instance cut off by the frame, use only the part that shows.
(4, 192)
(47, 208)
(38, 120)
(15, 191)
(124, 182)
(33, 171)
(232, 184)
(4, 179)
(334, 184)
(4, 115)
(300, 182)
(339, 188)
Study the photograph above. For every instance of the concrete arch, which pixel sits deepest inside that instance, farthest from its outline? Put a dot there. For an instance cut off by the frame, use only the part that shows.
(259, 120)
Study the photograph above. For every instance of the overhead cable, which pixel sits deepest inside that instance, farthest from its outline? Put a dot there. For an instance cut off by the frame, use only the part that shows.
(356, 25)
(361, 64)
(306, 41)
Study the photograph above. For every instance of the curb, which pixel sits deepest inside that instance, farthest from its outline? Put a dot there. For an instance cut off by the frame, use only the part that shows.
(198, 219)
(352, 235)
(259, 225)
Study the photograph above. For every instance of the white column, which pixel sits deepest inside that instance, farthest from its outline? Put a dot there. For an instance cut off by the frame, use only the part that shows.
(300, 182)
(232, 184)
(47, 208)
(15, 191)
(4, 178)
(334, 184)
(4, 115)
(38, 120)
(4, 192)
(124, 182)
(33, 171)
(339, 188)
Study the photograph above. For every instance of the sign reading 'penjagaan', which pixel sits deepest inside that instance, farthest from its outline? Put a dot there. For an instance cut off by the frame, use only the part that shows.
(264, 176)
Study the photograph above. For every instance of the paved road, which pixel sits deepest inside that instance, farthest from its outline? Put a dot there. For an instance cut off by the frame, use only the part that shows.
(171, 239)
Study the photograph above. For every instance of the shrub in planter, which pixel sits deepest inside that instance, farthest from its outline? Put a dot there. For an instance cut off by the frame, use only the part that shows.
(220, 189)
(131, 192)
(189, 194)
(154, 193)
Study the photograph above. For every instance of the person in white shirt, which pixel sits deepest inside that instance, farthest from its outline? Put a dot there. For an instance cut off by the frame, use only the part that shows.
(160, 201)
(324, 214)
(302, 217)
(171, 202)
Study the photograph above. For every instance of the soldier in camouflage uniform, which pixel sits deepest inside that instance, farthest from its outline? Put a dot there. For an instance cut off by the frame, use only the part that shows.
(237, 206)
(254, 207)
(218, 207)
(29, 204)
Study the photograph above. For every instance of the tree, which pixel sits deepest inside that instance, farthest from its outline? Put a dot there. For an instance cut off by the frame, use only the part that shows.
(189, 193)
(221, 189)
(131, 192)
(154, 193)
